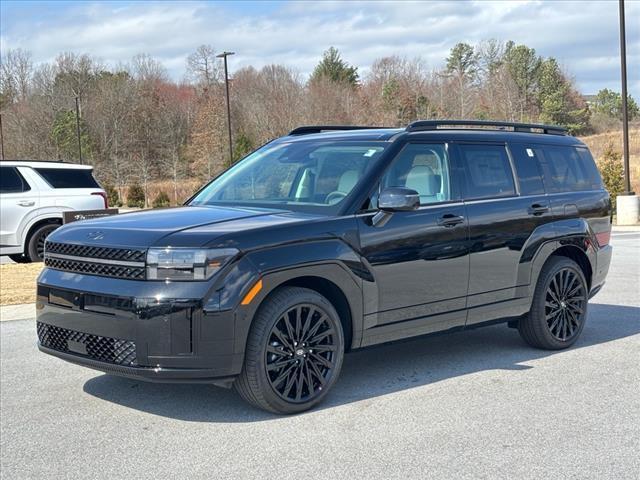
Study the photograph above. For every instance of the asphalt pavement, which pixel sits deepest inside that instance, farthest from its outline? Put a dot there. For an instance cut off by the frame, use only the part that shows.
(475, 404)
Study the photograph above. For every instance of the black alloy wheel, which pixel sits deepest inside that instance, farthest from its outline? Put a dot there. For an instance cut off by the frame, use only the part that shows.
(559, 307)
(565, 304)
(301, 354)
(294, 352)
(37, 240)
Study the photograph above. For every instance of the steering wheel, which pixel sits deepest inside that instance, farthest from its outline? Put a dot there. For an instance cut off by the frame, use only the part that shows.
(334, 197)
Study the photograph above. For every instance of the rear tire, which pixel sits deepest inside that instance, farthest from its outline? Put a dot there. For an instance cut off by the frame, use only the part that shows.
(559, 308)
(294, 352)
(20, 258)
(35, 248)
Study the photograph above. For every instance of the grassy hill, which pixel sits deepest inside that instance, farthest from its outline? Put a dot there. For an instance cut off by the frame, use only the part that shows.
(598, 143)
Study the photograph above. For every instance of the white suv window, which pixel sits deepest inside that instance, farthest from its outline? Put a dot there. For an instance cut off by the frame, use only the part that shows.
(11, 181)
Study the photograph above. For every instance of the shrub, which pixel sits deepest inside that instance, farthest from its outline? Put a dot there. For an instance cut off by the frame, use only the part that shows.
(112, 195)
(612, 171)
(161, 200)
(135, 196)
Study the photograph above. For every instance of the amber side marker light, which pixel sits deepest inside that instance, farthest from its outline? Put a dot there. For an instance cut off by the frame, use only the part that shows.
(251, 294)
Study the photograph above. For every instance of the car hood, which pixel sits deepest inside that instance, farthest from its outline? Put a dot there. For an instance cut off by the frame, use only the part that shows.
(181, 226)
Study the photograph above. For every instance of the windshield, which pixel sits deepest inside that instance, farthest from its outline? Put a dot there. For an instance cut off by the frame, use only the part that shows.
(312, 176)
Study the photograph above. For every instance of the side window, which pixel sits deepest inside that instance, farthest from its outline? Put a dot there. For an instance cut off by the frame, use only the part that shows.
(526, 158)
(68, 177)
(569, 169)
(11, 181)
(423, 168)
(487, 171)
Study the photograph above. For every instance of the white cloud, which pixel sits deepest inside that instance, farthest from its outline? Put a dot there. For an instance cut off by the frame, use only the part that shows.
(583, 36)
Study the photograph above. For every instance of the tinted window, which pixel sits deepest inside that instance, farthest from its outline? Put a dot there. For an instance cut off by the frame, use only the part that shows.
(68, 177)
(487, 171)
(423, 168)
(11, 181)
(306, 175)
(569, 169)
(527, 169)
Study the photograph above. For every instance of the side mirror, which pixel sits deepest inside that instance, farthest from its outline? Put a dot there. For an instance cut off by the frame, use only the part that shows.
(395, 199)
(398, 199)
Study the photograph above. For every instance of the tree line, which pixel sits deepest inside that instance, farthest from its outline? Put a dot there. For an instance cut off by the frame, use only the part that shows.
(139, 126)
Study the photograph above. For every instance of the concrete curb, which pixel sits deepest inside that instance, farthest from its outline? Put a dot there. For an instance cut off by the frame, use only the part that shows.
(25, 311)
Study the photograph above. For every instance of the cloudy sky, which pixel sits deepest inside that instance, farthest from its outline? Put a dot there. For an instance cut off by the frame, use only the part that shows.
(582, 35)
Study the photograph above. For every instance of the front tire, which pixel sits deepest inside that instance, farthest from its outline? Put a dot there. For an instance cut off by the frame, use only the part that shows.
(559, 308)
(35, 248)
(294, 352)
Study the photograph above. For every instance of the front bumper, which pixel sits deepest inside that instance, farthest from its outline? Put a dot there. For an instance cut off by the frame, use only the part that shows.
(161, 334)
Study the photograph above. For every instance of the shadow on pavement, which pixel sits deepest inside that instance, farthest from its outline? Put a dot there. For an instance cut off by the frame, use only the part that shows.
(371, 372)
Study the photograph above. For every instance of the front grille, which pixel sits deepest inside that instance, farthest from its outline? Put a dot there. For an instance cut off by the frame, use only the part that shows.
(123, 254)
(92, 260)
(104, 349)
(105, 270)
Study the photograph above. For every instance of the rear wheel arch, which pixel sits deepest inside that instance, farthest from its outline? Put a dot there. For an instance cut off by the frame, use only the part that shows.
(34, 227)
(578, 256)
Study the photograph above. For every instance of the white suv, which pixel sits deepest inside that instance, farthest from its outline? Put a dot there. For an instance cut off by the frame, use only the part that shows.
(33, 197)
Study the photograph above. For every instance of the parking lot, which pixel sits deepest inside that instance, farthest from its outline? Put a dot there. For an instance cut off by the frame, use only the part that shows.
(476, 404)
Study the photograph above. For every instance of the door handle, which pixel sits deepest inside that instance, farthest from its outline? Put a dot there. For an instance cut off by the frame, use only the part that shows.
(450, 220)
(538, 209)
(26, 203)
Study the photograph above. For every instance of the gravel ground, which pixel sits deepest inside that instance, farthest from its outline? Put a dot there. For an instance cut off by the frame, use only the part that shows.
(475, 404)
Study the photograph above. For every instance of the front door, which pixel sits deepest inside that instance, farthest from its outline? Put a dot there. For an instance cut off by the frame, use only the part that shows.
(419, 259)
(17, 199)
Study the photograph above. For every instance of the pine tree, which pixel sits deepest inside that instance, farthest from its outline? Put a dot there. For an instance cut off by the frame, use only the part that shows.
(334, 68)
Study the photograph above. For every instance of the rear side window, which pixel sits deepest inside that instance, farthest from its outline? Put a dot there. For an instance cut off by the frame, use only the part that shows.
(487, 171)
(527, 169)
(569, 169)
(68, 177)
(11, 181)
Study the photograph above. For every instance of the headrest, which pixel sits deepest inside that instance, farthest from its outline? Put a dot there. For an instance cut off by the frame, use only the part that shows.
(347, 181)
(422, 179)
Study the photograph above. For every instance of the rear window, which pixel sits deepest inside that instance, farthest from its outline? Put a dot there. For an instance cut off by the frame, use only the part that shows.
(11, 181)
(68, 177)
(568, 169)
(487, 171)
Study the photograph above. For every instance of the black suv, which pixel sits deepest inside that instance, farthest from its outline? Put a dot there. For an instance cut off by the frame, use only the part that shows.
(332, 239)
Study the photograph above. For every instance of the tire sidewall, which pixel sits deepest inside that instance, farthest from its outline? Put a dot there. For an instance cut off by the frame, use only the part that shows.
(267, 315)
(33, 240)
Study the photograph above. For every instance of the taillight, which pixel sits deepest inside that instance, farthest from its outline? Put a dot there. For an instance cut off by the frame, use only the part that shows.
(104, 197)
(603, 238)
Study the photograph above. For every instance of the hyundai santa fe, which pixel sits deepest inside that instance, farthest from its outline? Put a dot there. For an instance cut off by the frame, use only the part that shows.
(331, 239)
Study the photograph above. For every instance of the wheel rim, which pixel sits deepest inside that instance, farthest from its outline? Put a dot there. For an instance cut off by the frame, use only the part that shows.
(565, 304)
(40, 242)
(301, 353)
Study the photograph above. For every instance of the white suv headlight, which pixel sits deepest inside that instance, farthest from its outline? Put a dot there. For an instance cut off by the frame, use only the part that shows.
(186, 264)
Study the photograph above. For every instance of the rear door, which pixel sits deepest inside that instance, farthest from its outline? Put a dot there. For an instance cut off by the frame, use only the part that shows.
(71, 189)
(17, 200)
(419, 259)
(503, 212)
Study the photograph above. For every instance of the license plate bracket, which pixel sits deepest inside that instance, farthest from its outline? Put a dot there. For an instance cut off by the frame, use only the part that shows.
(77, 347)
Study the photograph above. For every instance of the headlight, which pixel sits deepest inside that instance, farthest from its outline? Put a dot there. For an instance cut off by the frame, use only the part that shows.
(186, 263)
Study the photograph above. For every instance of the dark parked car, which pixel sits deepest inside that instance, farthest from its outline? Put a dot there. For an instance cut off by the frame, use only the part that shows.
(332, 239)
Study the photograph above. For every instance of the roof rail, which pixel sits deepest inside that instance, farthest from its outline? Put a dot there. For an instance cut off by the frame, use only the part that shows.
(306, 130)
(422, 125)
(27, 160)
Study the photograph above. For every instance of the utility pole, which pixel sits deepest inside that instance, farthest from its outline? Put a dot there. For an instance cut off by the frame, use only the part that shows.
(78, 129)
(627, 203)
(224, 56)
(1, 138)
(625, 113)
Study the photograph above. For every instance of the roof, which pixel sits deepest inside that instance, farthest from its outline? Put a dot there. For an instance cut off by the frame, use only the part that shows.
(44, 164)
